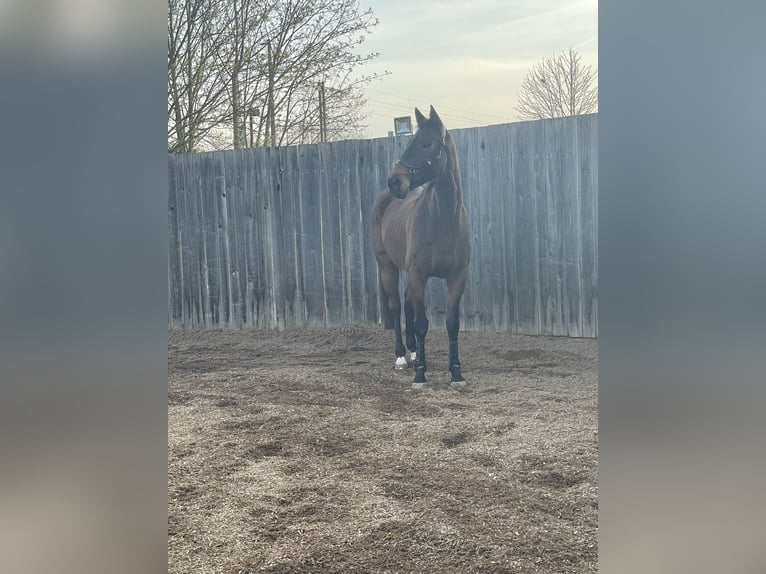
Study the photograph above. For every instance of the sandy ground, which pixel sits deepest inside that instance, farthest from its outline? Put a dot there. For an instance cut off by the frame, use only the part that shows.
(304, 451)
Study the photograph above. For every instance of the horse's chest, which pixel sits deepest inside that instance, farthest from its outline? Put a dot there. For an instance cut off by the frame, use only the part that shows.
(435, 258)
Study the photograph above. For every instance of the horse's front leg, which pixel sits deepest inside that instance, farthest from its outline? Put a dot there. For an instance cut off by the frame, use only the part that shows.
(415, 296)
(409, 319)
(455, 288)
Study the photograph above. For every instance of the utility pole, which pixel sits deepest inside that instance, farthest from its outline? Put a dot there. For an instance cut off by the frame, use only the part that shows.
(188, 144)
(322, 114)
(238, 122)
(272, 122)
(252, 113)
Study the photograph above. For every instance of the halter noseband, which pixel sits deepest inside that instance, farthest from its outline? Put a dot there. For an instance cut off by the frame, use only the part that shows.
(429, 162)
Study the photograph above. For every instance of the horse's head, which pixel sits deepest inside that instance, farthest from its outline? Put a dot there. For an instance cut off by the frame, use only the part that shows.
(425, 157)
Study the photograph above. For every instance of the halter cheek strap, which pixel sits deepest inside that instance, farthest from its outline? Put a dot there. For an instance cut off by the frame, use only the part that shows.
(429, 162)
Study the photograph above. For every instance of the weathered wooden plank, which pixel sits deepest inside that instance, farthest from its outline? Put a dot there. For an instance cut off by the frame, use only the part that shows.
(216, 247)
(292, 167)
(224, 239)
(236, 215)
(190, 230)
(275, 244)
(508, 208)
(340, 184)
(179, 278)
(193, 243)
(198, 251)
(354, 236)
(332, 264)
(525, 228)
(240, 216)
(488, 263)
(368, 186)
(229, 202)
(249, 264)
(466, 142)
(310, 235)
(259, 239)
(287, 189)
(588, 184)
(272, 317)
(550, 227)
(206, 197)
(175, 288)
(501, 215)
(569, 221)
(205, 215)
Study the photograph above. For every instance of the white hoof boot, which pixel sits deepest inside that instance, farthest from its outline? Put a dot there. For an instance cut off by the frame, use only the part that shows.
(401, 363)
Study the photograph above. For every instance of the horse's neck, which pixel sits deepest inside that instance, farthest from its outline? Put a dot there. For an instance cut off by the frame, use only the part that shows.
(447, 193)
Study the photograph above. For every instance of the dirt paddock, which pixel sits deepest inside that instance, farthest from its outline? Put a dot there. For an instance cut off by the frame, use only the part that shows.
(304, 451)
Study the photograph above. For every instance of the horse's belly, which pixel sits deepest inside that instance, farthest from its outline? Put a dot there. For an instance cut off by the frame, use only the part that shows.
(394, 232)
(440, 268)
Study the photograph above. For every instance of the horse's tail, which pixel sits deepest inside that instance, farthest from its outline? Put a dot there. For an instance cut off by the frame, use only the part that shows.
(384, 310)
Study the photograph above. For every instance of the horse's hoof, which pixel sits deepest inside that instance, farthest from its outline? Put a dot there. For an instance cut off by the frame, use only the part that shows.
(458, 381)
(401, 363)
(420, 376)
(457, 376)
(418, 386)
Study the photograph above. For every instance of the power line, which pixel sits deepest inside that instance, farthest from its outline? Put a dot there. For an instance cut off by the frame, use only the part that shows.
(447, 114)
(441, 106)
(381, 116)
(463, 114)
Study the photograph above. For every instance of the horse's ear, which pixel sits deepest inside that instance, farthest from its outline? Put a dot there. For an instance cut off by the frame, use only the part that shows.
(420, 118)
(434, 117)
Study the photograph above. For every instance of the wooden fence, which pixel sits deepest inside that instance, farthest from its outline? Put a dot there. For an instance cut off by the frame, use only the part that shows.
(280, 237)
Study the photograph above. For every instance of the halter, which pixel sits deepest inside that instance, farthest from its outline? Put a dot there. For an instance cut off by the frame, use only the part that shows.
(428, 163)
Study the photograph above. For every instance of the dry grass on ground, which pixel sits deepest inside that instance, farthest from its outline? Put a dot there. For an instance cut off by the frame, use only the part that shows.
(304, 451)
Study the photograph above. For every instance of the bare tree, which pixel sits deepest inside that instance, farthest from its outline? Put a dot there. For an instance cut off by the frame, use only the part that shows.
(558, 86)
(255, 68)
(195, 88)
(244, 49)
(314, 47)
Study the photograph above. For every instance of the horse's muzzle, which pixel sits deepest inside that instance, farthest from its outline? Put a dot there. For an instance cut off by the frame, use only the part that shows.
(399, 185)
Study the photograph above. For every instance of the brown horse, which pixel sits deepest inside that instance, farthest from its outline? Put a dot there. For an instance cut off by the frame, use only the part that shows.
(425, 234)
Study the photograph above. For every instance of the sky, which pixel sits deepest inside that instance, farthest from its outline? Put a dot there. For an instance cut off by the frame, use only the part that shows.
(467, 58)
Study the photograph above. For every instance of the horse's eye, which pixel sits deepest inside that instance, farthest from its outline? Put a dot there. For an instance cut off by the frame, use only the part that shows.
(426, 145)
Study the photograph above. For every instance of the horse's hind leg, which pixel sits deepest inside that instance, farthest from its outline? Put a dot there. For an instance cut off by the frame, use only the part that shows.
(389, 276)
(455, 288)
